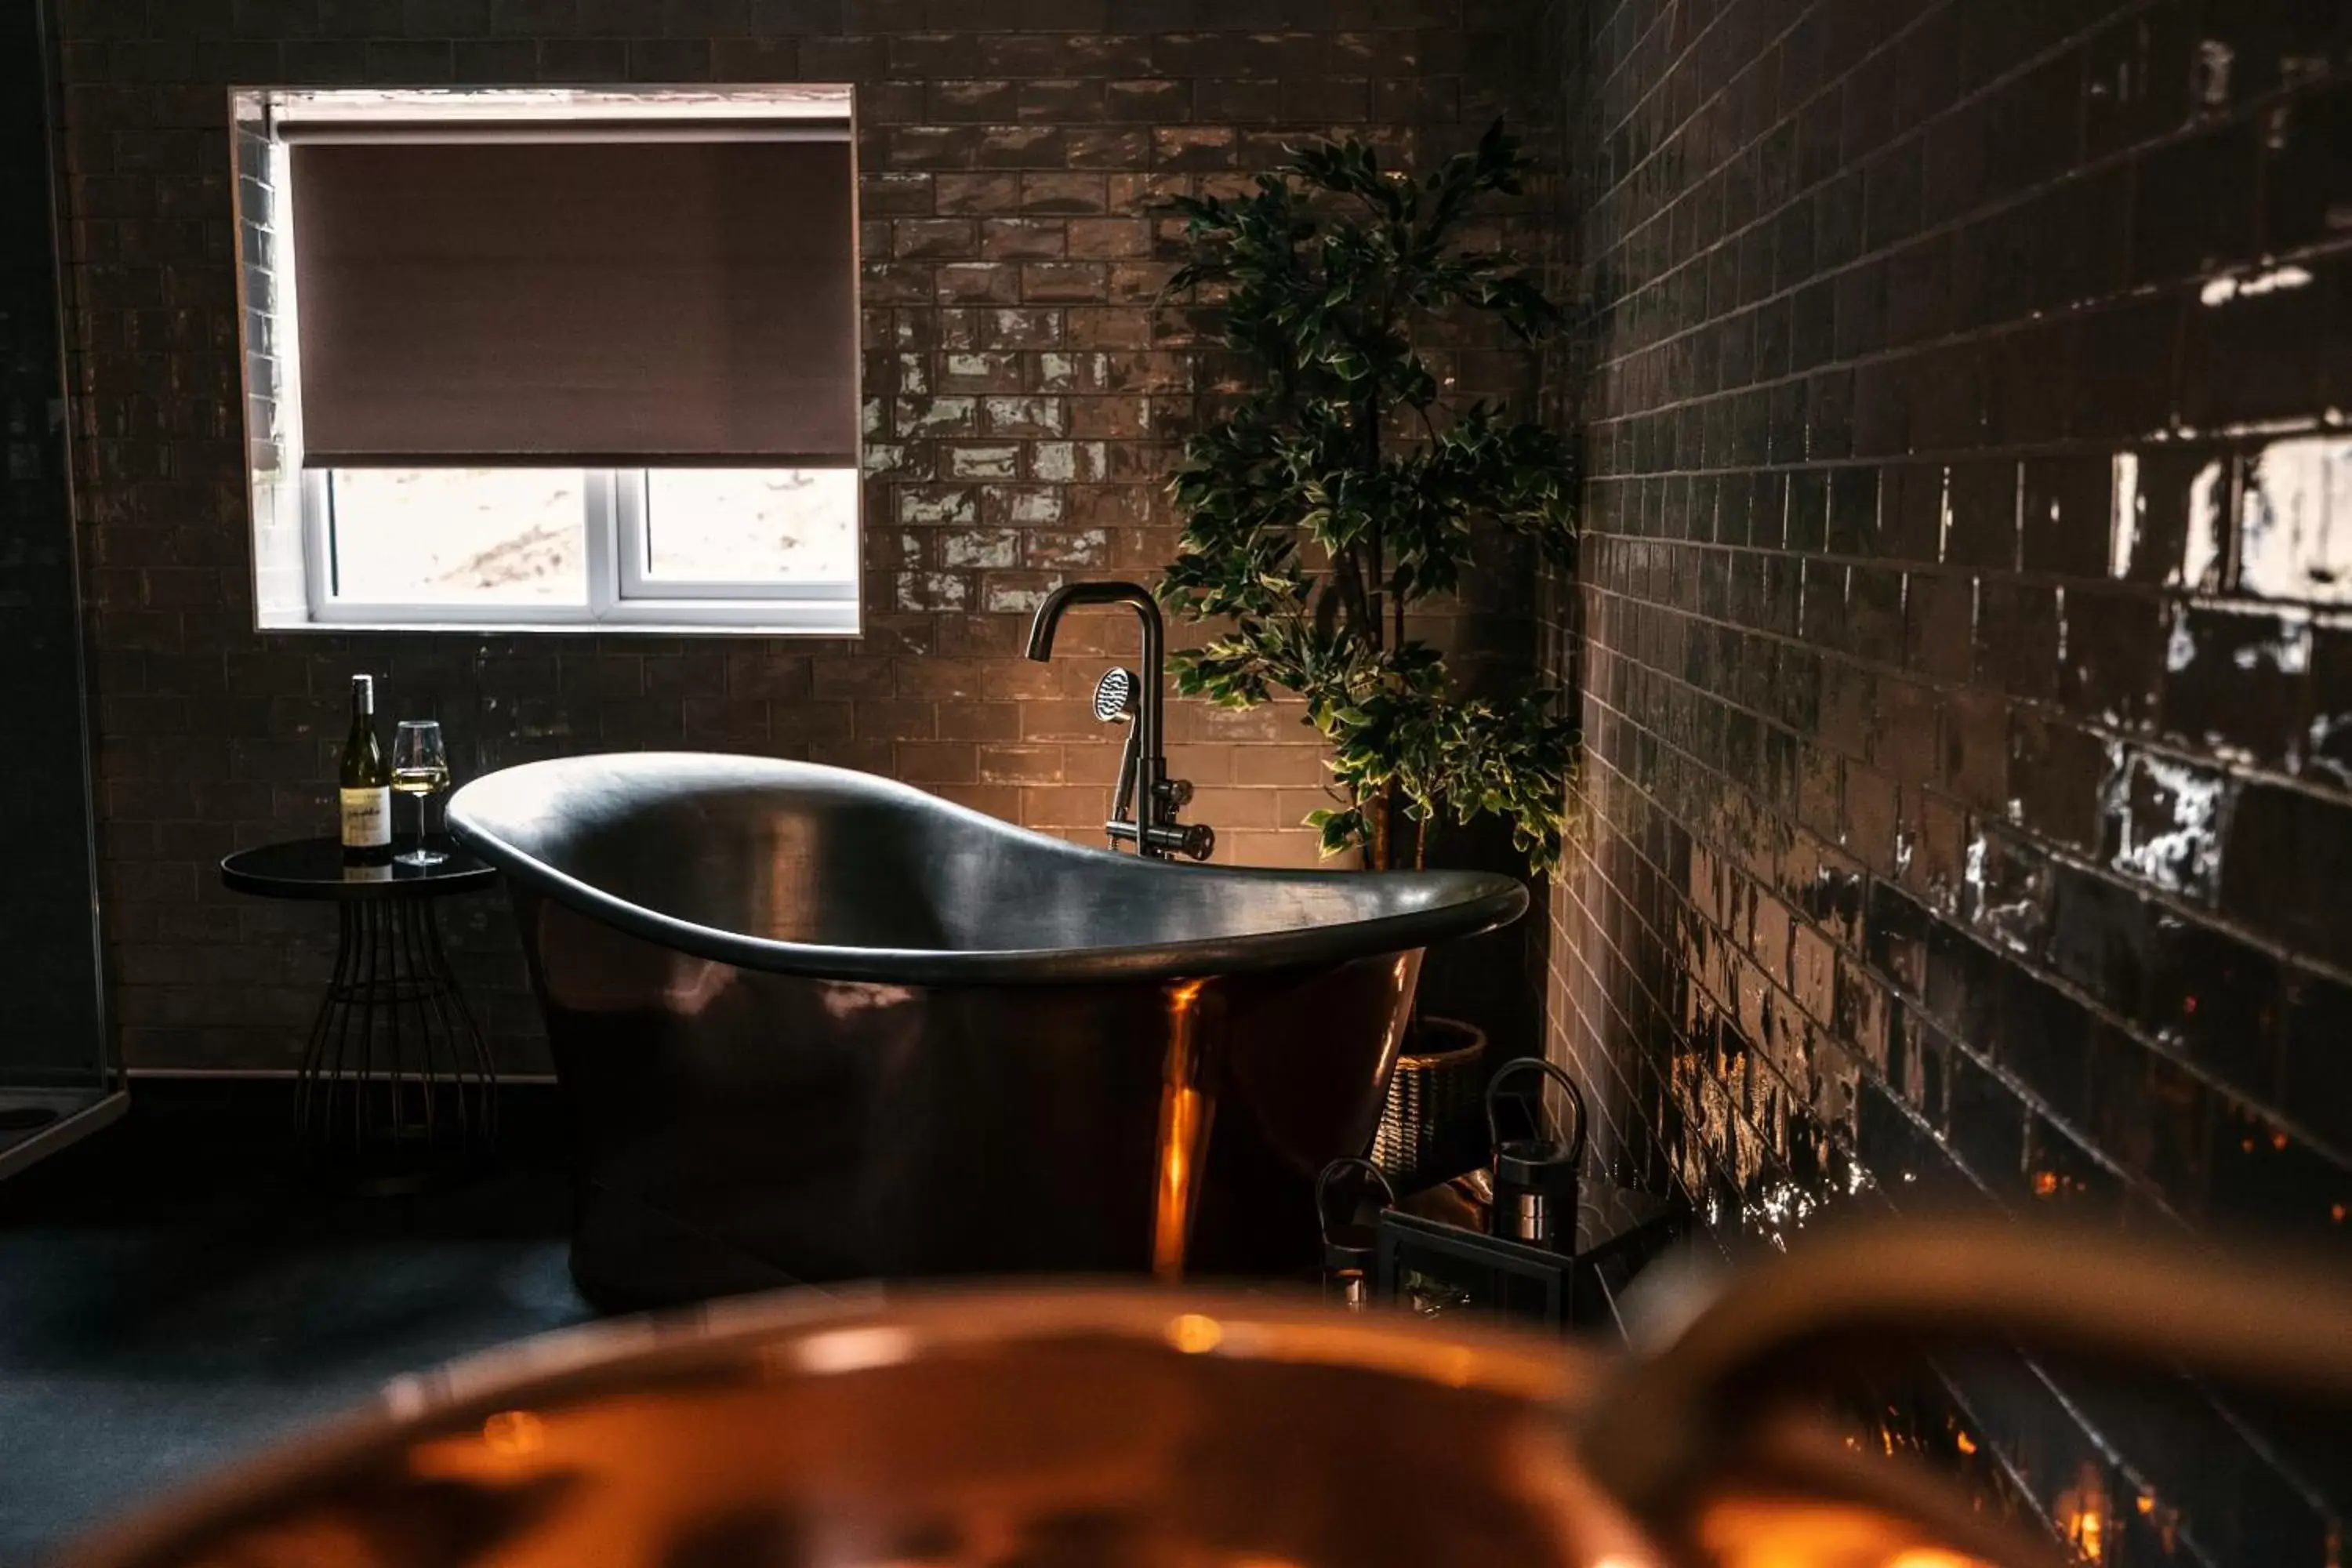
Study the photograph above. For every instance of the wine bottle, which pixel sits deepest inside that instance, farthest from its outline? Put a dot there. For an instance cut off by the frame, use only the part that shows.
(366, 784)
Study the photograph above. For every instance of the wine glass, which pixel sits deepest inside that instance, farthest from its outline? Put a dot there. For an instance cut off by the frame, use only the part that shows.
(420, 769)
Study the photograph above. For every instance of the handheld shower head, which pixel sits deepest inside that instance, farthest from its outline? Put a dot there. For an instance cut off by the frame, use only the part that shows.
(1115, 696)
(1115, 701)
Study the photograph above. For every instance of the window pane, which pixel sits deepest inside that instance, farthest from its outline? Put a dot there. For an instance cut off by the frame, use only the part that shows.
(429, 536)
(751, 525)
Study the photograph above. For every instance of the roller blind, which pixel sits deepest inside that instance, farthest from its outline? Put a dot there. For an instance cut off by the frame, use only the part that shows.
(497, 298)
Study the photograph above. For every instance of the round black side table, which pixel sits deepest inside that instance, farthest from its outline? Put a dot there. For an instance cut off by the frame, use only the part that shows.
(396, 1082)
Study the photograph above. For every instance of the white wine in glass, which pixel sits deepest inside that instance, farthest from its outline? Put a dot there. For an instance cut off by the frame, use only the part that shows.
(420, 769)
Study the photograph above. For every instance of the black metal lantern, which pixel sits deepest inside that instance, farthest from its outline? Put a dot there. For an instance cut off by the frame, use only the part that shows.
(1349, 1250)
(1535, 1177)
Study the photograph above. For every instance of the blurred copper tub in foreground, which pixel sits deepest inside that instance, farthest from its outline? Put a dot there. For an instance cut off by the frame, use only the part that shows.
(1087, 1425)
(1032, 1427)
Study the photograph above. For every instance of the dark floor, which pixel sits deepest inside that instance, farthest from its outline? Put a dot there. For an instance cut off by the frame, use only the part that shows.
(174, 1292)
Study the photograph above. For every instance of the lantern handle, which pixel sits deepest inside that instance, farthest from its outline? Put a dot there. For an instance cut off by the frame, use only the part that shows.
(1520, 1064)
(1323, 1186)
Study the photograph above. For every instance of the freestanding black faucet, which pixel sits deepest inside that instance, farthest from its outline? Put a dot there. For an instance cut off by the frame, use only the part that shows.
(1157, 798)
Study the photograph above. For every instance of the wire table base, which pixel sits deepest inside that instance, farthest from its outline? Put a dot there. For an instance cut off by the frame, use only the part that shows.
(397, 1082)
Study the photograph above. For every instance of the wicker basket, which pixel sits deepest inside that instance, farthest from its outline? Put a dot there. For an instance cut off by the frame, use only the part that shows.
(1432, 1099)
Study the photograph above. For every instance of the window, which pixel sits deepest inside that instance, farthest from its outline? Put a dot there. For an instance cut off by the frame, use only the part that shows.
(552, 359)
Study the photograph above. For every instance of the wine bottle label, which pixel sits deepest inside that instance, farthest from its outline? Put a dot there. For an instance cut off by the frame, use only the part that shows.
(367, 819)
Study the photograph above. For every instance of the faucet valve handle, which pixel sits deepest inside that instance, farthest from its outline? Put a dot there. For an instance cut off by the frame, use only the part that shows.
(1162, 839)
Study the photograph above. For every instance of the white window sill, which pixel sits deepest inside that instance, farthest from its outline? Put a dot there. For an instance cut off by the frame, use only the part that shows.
(762, 618)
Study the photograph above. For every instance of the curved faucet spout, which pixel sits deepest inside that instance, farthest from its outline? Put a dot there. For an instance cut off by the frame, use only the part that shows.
(1153, 758)
(1155, 831)
(1133, 594)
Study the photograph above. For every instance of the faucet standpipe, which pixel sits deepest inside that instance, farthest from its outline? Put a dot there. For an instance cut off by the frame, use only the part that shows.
(1143, 767)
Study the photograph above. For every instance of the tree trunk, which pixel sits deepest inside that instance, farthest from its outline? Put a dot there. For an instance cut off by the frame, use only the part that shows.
(1375, 808)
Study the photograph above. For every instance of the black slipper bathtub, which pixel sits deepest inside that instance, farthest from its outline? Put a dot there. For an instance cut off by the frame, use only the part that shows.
(816, 1026)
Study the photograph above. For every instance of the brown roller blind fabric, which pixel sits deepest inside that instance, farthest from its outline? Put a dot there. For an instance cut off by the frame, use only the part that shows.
(601, 302)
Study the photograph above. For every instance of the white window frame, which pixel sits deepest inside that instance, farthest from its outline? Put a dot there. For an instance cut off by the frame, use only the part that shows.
(622, 592)
(632, 502)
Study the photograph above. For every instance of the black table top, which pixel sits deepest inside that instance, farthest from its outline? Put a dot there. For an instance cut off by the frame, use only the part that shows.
(314, 868)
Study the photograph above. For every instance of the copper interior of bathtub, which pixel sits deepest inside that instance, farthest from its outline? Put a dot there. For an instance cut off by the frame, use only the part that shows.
(990, 1429)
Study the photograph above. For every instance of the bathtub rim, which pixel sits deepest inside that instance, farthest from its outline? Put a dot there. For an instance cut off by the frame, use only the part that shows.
(1463, 904)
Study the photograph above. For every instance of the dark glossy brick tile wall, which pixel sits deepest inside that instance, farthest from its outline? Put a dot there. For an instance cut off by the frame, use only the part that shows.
(1967, 643)
(49, 962)
(1024, 401)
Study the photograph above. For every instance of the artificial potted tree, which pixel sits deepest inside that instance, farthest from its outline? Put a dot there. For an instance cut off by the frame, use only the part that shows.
(1348, 484)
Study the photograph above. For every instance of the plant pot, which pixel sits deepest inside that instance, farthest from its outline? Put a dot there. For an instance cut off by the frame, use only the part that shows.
(1429, 1125)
